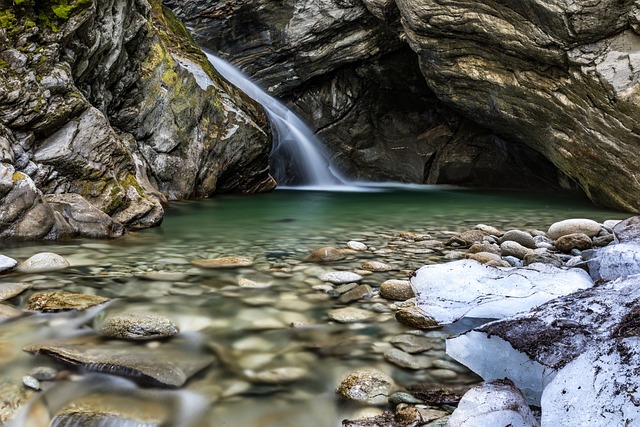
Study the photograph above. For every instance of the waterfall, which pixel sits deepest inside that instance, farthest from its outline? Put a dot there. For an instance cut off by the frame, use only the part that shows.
(298, 157)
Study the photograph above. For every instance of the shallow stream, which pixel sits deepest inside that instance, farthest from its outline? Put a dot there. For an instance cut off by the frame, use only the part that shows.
(259, 319)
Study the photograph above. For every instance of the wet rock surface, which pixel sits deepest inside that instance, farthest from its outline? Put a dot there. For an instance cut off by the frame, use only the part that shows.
(43, 262)
(62, 300)
(137, 326)
(367, 386)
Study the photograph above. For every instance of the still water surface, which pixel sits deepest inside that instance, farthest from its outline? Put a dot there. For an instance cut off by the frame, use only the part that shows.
(245, 316)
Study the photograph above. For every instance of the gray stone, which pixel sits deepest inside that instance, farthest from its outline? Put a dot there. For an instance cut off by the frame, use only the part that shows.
(137, 326)
(340, 277)
(488, 229)
(31, 382)
(406, 360)
(283, 375)
(627, 230)
(43, 262)
(368, 386)
(355, 294)
(356, 246)
(10, 290)
(413, 343)
(7, 263)
(525, 239)
(350, 315)
(511, 248)
(544, 258)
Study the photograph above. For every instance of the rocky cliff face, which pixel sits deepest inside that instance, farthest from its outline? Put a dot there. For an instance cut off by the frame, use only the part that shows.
(109, 109)
(504, 81)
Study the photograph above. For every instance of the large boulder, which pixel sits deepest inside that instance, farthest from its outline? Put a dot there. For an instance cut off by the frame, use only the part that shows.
(107, 102)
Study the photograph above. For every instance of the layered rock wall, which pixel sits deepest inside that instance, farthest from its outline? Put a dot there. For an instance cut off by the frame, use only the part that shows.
(107, 101)
(504, 81)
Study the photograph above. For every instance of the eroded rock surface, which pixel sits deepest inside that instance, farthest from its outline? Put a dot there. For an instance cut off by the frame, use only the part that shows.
(101, 105)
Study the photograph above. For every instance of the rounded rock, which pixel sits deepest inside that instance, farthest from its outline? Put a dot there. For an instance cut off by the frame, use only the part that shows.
(414, 317)
(326, 254)
(350, 315)
(7, 263)
(356, 246)
(224, 262)
(378, 266)
(340, 277)
(569, 242)
(525, 239)
(137, 326)
(488, 229)
(571, 226)
(368, 386)
(397, 290)
(511, 248)
(42, 262)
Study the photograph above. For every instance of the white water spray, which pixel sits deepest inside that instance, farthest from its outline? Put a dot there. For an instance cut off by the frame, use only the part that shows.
(298, 157)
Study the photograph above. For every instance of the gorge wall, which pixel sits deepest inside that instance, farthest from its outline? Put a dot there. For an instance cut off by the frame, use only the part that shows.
(108, 109)
(531, 93)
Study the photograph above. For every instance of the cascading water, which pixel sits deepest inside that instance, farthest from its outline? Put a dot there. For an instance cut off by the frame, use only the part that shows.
(298, 157)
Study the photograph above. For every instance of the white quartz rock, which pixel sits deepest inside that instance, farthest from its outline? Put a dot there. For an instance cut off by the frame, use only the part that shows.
(466, 288)
(498, 403)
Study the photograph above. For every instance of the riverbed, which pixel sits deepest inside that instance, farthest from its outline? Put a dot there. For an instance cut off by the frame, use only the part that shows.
(273, 317)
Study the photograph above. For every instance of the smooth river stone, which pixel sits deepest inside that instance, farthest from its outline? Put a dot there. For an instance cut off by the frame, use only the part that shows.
(378, 266)
(571, 226)
(283, 375)
(340, 277)
(7, 263)
(62, 300)
(399, 290)
(356, 246)
(328, 254)
(10, 290)
(42, 262)
(171, 363)
(350, 314)
(224, 262)
(137, 326)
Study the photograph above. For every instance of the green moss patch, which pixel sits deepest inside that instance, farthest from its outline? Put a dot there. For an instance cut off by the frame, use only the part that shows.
(63, 9)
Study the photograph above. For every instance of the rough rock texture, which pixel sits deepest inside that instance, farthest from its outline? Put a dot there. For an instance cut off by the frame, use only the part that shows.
(106, 100)
(343, 66)
(554, 77)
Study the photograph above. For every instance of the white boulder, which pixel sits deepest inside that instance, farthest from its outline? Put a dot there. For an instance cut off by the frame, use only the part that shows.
(466, 288)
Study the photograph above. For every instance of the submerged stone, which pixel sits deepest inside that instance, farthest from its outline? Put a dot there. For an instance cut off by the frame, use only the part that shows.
(137, 326)
(10, 290)
(340, 277)
(224, 262)
(62, 300)
(43, 262)
(327, 254)
(171, 363)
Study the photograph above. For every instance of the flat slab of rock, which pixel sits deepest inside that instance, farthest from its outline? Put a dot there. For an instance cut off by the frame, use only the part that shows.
(62, 300)
(350, 314)
(448, 292)
(43, 262)
(10, 290)
(224, 262)
(340, 277)
(571, 226)
(531, 348)
(170, 363)
(137, 326)
(496, 403)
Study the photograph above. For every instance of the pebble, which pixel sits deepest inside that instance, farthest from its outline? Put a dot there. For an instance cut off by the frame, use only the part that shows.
(350, 314)
(483, 247)
(403, 397)
(378, 266)
(43, 262)
(7, 263)
(283, 375)
(399, 290)
(224, 262)
(137, 326)
(357, 293)
(406, 360)
(511, 248)
(488, 229)
(413, 343)
(489, 258)
(31, 382)
(340, 277)
(369, 386)
(327, 254)
(356, 246)
(10, 290)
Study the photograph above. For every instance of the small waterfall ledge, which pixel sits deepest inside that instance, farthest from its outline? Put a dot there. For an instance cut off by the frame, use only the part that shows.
(298, 158)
